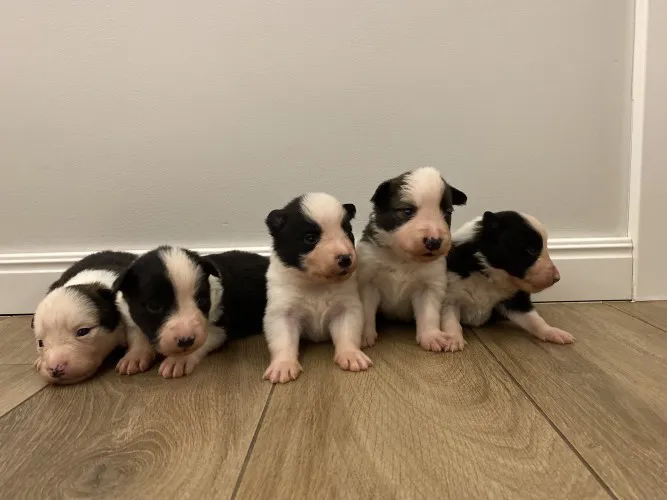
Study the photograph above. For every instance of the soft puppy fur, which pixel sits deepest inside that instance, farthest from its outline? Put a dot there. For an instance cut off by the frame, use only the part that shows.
(184, 306)
(312, 288)
(77, 324)
(496, 262)
(402, 254)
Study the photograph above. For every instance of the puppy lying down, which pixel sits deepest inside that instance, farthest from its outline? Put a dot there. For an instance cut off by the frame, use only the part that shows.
(496, 262)
(77, 324)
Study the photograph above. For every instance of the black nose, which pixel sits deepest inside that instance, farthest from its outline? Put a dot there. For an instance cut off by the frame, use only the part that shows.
(432, 244)
(57, 372)
(344, 260)
(185, 342)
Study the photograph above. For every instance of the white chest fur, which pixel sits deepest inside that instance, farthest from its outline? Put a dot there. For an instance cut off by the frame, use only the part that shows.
(398, 281)
(476, 295)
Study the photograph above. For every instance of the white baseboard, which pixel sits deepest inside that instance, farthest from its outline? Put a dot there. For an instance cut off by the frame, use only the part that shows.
(592, 269)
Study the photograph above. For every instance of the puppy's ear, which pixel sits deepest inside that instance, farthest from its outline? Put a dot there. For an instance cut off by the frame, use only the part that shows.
(275, 221)
(208, 267)
(382, 196)
(350, 209)
(106, 294)
(124, 280)
(490, 222)
(458, 197)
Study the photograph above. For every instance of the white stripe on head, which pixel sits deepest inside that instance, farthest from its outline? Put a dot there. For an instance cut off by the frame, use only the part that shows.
(323, 209)
(537, 225)
(105, 277)
(184, 274)
(468, 231)
(423, 186)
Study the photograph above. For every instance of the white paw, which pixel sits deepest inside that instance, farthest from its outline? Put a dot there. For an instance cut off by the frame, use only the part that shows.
(369, 338)
(178, 366)
(353, 360)
(555, 335)
(433, 340)
(455, 341)
(135, 362)
(283, 371)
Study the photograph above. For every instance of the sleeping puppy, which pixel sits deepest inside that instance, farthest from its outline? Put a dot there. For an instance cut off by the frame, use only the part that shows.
(496, 262)
(77, 324)
(184, 306)
(312, 290)
(402, 254)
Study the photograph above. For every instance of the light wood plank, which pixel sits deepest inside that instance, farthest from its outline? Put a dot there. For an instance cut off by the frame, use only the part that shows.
(17, 342)
(418, 425)
(606, 393)
(654, 313)
(140, 436)
(18, 383)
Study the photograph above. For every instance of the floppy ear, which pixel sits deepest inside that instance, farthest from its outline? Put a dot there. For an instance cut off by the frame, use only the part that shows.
(107, 294)
(209, 267)
(382, 196)
(275, 221)
(458, 197)
(490, 222)
(123, 280)
(350, 209)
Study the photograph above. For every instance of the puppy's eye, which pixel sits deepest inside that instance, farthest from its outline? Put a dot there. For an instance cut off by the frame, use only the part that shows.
(533, 252)
(408, 212)
(82, 332)
(310, 238)
(40, 343)
(154, 307)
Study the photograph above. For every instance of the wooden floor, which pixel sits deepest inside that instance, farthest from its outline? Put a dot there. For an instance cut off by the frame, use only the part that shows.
(509, 417)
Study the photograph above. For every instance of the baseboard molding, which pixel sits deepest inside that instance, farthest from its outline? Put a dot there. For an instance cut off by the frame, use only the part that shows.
(592, 269)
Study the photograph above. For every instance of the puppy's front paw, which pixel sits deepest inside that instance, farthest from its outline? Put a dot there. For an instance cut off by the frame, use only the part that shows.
(555, 335)
(178, 366)
(369, 338)
(353, 360)
(433, 340)
(135, 362)
(283, 371)
(455, 341)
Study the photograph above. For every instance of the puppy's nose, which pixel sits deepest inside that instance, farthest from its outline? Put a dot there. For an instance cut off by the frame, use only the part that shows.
(556, 277)
(185, 342)
(57, 371)
(344, 260)
(432, 244)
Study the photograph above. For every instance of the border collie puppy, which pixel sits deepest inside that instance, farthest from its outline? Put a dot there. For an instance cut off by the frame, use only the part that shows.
(402, 270)
(496, 262)
(77, 324)
(184, 306)
(312, 290)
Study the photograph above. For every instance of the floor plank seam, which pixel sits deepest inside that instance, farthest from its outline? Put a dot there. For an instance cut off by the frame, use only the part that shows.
(24, 401)
(645, 321)
(252, 443)
(551, 423)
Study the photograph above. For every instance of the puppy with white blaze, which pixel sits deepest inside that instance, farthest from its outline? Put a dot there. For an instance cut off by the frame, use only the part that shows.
(184, 306)
(77, 324)
(495, 263)
(402, 271)
(312, 288)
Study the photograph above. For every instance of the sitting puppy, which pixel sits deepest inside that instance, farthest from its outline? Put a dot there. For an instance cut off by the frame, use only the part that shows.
(312, 290)
(402, 254)
(496, 262)
(77, 325)
(184, 305)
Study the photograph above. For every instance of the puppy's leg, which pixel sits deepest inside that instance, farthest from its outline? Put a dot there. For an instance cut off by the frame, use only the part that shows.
(346, 333)
(370, 298)
(140, 353)
(427, 305)
(535, 324)
(450, 324)
(282, 337)
(178, 366)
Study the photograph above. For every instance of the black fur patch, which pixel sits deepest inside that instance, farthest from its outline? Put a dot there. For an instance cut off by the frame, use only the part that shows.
(150, 294)
(105, 261)
(295, 234)
(244, 291)
(103, 300)
(520, 302)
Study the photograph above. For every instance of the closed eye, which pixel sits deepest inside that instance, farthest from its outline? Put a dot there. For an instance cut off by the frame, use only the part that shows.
(154, 307)
(533, 252)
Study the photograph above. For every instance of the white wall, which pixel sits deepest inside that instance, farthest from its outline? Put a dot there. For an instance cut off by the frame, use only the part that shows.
(133, 123)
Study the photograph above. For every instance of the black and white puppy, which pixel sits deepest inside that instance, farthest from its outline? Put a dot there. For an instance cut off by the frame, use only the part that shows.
(77, 324)
(495, 263)
(312, 288)
(402, 254)
(184, 306)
